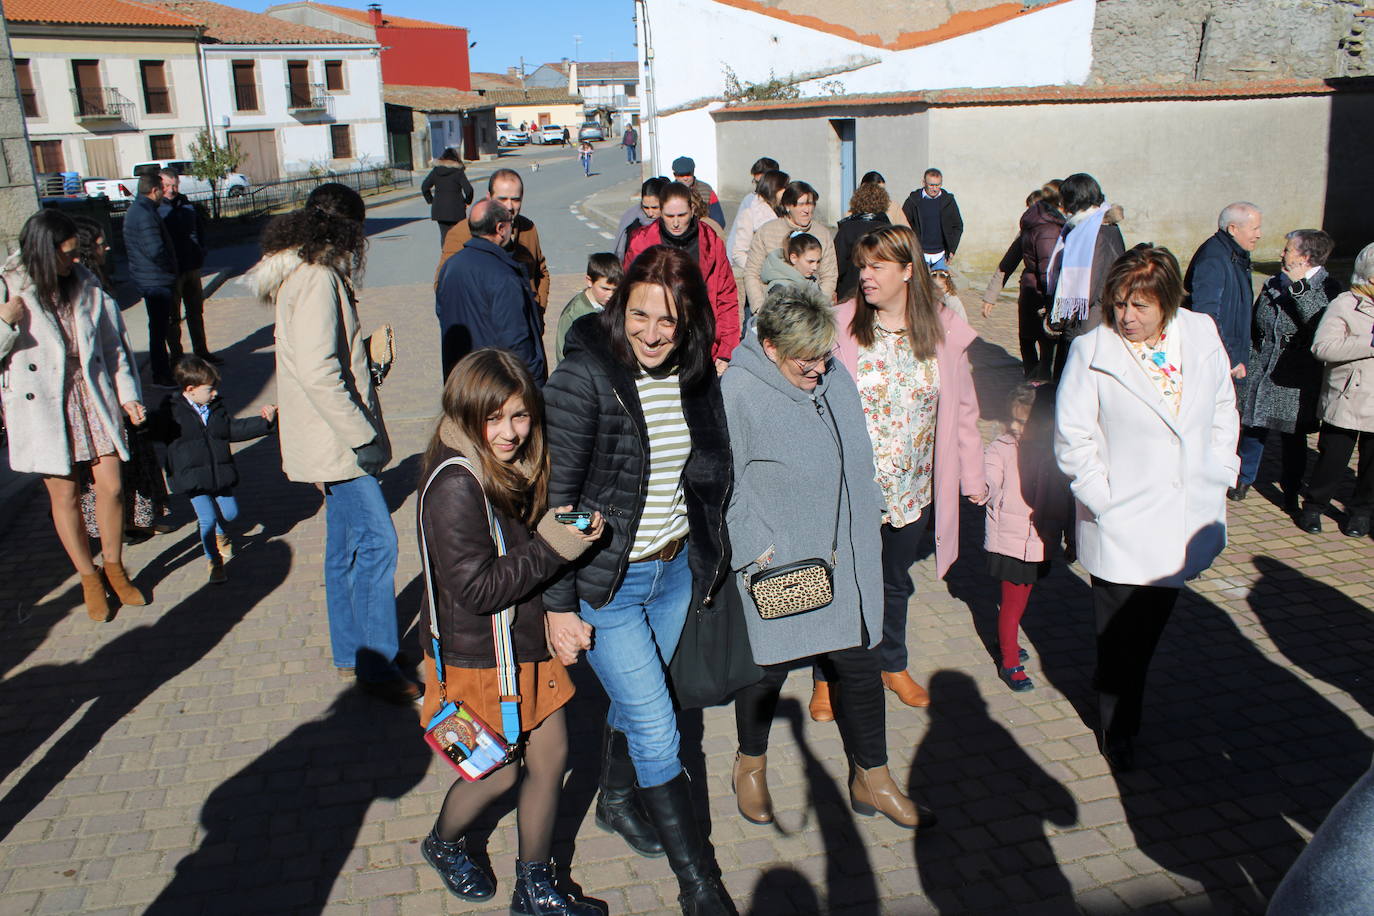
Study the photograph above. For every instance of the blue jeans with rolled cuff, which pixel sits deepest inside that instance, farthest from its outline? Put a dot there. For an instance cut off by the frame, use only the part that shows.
(635, 635)
(360, 578)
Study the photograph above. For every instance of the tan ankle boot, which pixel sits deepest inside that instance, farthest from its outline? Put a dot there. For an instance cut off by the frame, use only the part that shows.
(97, 602)
(226, 547)
(907, 690)
(820, 702)
(873, 791)
(217, 574)
(750, 782)
(119, 583)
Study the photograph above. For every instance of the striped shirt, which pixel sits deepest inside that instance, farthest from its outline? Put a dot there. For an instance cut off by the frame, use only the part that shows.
(664, 518)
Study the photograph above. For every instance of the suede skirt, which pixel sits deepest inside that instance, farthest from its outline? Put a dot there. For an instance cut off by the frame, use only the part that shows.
(544, 688)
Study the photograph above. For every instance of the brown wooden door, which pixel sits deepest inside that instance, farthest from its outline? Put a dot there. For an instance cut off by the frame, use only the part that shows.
(101, 159)
(259, 154)
(90, 97)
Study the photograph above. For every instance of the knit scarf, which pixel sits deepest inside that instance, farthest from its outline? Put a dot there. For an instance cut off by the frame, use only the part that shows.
(1070, 273)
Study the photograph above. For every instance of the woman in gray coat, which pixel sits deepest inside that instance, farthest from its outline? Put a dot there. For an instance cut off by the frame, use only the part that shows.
(801, 449)
(1282, 377)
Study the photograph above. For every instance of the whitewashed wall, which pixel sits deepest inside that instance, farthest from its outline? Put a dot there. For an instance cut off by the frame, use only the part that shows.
(694, 39)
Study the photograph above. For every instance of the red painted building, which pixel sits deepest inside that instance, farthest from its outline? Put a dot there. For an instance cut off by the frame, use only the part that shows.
(415, 52)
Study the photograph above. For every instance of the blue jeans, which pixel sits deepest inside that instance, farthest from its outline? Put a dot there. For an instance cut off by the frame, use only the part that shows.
(360, 578)
(213, 511)
(635, 636)
(630, 153)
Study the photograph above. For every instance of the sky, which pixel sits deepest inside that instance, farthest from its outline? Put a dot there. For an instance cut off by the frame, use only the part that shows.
(503, 33)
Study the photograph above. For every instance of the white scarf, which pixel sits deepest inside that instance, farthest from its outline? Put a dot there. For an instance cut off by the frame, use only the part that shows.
(1070, 272)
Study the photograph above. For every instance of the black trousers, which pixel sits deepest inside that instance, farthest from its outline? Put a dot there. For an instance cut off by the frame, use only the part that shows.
(158, 303)
(189, 296)
(856, 693)
(444, 227)
(1335, 445)
(1030, 333)
(1130, 620)
(900, 546)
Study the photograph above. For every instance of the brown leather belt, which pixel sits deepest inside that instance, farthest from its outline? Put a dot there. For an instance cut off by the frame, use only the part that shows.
(667, 553)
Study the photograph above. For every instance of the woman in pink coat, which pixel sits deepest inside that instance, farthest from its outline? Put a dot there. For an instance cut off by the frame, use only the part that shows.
(1028, 509)
(909, 356)
(676, 227)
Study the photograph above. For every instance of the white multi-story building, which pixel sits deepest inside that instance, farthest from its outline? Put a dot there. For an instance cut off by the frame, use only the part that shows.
(296, 99)
(609, 88)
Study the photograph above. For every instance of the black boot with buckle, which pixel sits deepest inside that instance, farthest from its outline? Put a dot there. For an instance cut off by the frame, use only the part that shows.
(700, 892)
(463, 877)
(537, 895)
(617, 809)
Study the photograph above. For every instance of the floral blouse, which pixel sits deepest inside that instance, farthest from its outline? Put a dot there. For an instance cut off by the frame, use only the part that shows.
(1162, 366)
(899, 394)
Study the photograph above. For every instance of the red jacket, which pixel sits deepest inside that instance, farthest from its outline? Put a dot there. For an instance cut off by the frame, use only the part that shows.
(715, 270)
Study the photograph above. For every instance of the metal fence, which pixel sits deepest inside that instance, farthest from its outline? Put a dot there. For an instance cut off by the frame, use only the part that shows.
(293, 191)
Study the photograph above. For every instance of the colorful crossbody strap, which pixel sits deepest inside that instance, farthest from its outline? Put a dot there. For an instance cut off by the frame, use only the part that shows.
(500, 621)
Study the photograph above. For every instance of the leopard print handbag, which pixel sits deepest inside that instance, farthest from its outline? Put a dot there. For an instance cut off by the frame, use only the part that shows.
(806, 585)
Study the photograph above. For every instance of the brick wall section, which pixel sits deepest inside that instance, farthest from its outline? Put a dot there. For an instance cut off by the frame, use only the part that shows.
(1170, 41)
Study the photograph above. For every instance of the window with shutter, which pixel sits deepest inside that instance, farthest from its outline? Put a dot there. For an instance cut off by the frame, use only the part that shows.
(28, 98)
(245, 86)
(90, 95)
(298, 83)
(341, 140)
(334, 75)
(162, 146)
(47, 156)
(157, 98)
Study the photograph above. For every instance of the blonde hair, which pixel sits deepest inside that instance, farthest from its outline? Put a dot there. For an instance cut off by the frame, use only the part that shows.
(1362, 277)
(797, 320)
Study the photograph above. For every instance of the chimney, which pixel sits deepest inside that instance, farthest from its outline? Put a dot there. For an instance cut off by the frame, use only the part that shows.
(513, 72)
(572, 78)
(374, 14)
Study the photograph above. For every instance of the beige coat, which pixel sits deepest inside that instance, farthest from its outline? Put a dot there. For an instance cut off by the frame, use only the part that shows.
(32, 377)
(773, 235)
(328, 405)
(1345, 342)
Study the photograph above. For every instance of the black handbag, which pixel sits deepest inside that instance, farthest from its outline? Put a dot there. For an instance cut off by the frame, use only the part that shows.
(713, 658)
(804, 585)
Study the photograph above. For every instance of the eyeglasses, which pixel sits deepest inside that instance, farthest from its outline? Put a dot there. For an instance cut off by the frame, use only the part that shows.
(812, 368)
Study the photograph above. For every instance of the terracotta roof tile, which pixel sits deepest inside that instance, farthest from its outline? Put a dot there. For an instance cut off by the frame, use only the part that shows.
(532, 96)
(607, 69)
(1038, 95)
(967, 16)
(93, 12)
(494, 81)
(434, 98)
(390, 22)
(228, 25)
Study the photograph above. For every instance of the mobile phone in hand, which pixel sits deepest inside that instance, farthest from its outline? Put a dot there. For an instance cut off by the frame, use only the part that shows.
(579, 520)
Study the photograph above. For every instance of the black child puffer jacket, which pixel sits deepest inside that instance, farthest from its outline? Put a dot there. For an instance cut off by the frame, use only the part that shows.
(599, 447)
(198, 457)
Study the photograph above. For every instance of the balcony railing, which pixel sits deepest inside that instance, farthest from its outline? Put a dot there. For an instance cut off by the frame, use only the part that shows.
(102, 104)
(308, 98)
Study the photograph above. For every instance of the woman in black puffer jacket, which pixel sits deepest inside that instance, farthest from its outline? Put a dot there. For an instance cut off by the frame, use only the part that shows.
(636, 430)
(447, 191)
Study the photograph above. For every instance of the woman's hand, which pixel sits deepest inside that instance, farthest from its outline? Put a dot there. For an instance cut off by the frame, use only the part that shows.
(721, 366)
(137, 414)
(568, 634)
(12, 310)
(982, 498)
(987, 308)
(594, 528)
(269, 412)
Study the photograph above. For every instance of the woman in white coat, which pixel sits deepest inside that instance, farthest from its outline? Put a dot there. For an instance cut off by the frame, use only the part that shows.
(68, 378)
(1146, 430)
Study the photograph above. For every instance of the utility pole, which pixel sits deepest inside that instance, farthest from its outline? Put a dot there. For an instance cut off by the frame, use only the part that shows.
(649, 118)
(577, 46)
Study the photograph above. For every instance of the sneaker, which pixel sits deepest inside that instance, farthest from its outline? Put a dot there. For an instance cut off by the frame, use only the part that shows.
(217, 574)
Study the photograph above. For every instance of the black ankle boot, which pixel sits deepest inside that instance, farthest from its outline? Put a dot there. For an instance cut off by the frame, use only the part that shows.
(463, 877)
(536, 895)
(617, 810)
(670, 811)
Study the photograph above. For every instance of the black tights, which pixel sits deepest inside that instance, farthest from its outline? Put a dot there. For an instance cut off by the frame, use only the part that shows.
(546, 752)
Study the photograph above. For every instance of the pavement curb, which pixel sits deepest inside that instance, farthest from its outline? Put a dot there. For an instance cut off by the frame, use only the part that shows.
(608, 204)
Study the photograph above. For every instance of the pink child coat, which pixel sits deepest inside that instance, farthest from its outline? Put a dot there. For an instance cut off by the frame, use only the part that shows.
(1026, 505)
(958, 445)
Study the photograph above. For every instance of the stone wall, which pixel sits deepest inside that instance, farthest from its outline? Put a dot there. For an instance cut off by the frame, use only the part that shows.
(18, 198)
(1174, 41)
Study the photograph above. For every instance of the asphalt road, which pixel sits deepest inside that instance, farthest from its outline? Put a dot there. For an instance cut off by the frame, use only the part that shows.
(405, 243)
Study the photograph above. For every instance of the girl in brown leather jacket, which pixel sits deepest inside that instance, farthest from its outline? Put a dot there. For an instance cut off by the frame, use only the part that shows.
(493, 416)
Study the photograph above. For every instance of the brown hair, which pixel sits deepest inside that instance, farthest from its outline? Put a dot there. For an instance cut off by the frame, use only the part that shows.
(801, 243)
(770, 183)
(869, 198)
(478, 387)
(680, 277)
(923, 326)
(1145, 271)
(192, 372)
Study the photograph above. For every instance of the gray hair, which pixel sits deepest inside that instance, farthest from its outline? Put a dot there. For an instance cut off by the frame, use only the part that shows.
(1236, 213)
(486, 218)
(1313, 244)
(797, 320)
(1363, 274)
